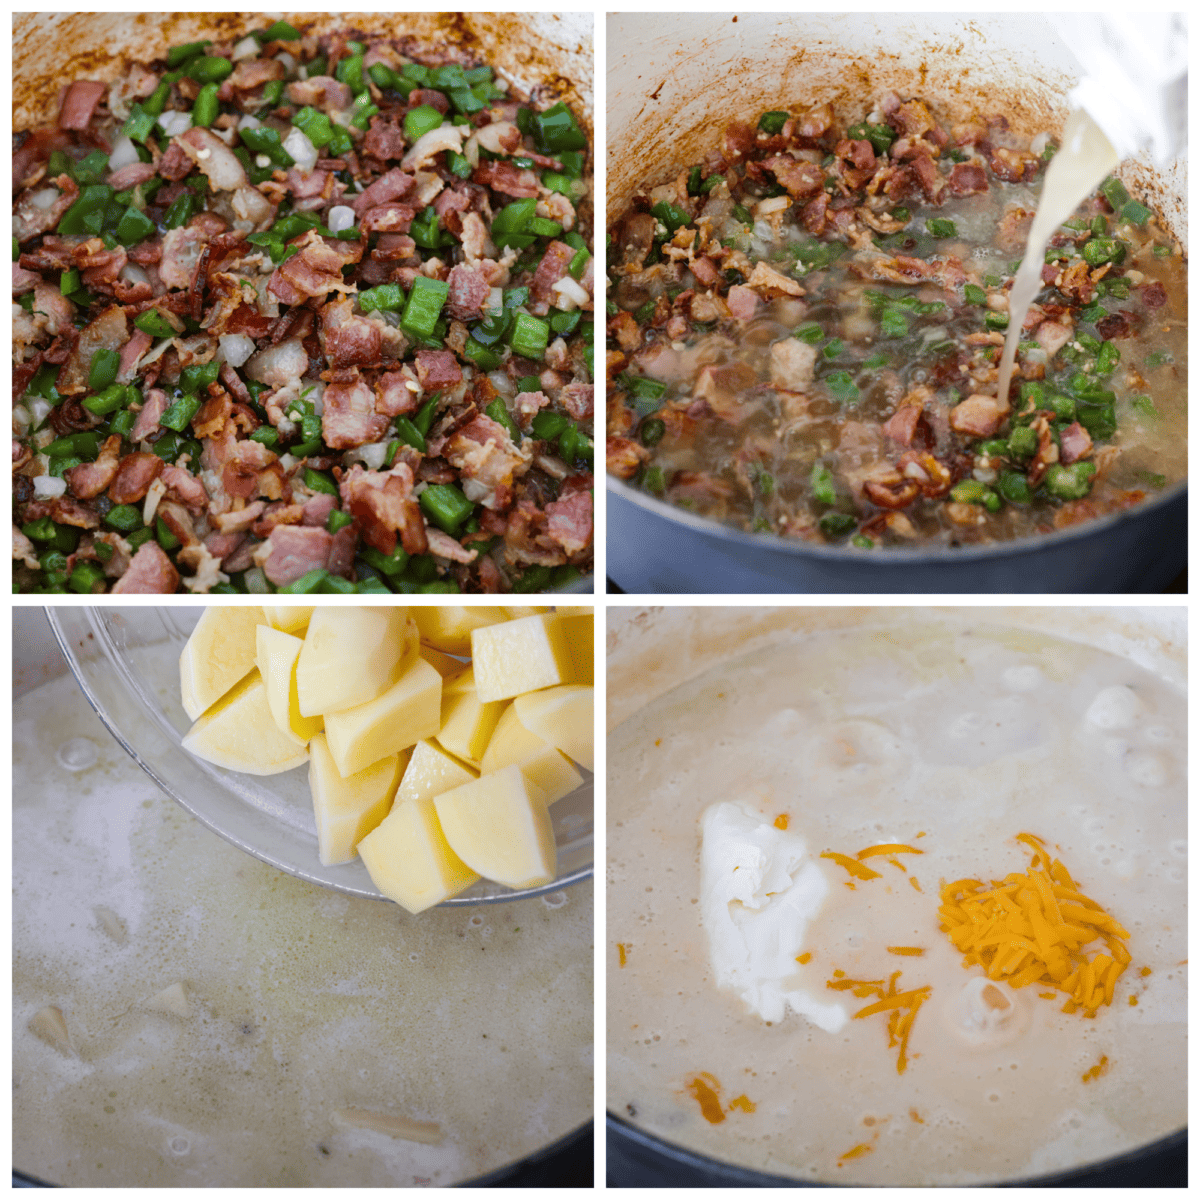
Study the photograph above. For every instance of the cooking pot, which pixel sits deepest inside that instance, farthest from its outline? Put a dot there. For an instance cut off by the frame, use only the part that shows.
(547, 54)
(674, 82)
(651, 651)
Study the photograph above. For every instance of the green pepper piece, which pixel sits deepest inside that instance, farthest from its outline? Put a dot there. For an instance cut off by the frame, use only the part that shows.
(1103, 249)
(124, 518)
(207, 107)
(821, 482)
(420, 120)
(179, 416)
(281, 31)
(446, 506)
(88, 577)
(424, 306)
(180, 211)
(134, 227)
(104, 367)
(556, 129)
(178, 55)
(772, 122)
(530, 336)
(1070, 483)
(309, 582)
(154, 323)
(207, 70)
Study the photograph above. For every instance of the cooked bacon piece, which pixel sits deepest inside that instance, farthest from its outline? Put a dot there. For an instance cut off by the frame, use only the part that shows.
(393, 396)
(342, 551)
(392, 186)
(181, 253)
(131, 352)
(23, 281)
(469, 293)
(58, 311)
(183, 486)
(109, 331)
(569, 522)
(214, 158)
(316, 509)
(1052, 336)
(578, 399)
(978, 416)
(238, 521)
(901, 426)
(437, 369)
(321, 91)
(551, 269)
(1014, 166)
(349, 417)
(64, 510)
(30, 219)
(134, 477)
(792, 364)
(279, 365)
(174, 165)
(385, 505)
(79, 103)
(967, 179)
(503, 177)
(254, 72)
(130, 175)
(150, 572)
(525, 539)
(1115, 325)
(1046, 454)
(388, 218)
(1154, 295)
(294, 550)
(443, 545)
(925, 171)
(770, 284)
(1076, 442)
(244, 465)
(891, 493)
(348, 339)
(90, 479)
(801, 179)
(316, 270)
(385, 139)
(487, 460)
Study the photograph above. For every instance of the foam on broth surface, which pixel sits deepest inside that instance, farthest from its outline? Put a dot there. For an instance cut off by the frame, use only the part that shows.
(969, 736)
(302, 1001)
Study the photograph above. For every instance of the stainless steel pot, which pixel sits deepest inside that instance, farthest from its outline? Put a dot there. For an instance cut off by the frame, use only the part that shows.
(673, 83)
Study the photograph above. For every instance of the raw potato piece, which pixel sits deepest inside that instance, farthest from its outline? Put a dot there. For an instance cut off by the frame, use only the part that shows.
(443, 664)
(410, 861)
(348, 809)
(240, 733)
(563, 717)
(51, 1026)
(448, 627)
(579, 631)
(520, 656)
(277, 656)
(498, 825)
(540, 763)
(428, 1132)
(513, 611)
(467, 723)
(219, 654)
(291, 618)
(408, 711)
(350, 656)
(430, 772)
(574, 610)
(171, 1000)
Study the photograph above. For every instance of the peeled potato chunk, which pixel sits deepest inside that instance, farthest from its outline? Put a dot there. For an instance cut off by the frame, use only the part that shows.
(219, 654)
(291, 618)
(467, 723)
(448, 627)
(540, 763)
(520, 656)
(278, 653)
(430, 772)
(350, 656)
(410, 861)
(348, 809)
(172, 1000)
(51, 1026)
(574, 610)
(498, 825)
(408, 711)
(240, 733)
(513, 611)
(579, 633)
(563, 717)
(445, 665)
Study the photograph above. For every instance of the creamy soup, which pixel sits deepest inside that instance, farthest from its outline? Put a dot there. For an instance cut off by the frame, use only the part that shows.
(295, 1005)
(950, 740)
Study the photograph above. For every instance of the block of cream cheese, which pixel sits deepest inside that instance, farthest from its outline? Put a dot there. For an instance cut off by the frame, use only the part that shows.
(410, 861)
(467, 722)
(291, 618)
(350, 656)
(498, 825)
(540, 763)
(561, 716)
(278, 653)
(520, 656)
(447, 627)
(240, 733)
(759, 889)
(348, 809)
(219, 654)
(411, 709)
(432, 771)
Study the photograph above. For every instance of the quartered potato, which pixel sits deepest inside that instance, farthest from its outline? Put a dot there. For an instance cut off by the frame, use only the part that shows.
(220, 653)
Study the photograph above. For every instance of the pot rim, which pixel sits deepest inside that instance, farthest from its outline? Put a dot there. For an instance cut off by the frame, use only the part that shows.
(748, 1177)
(898, 556)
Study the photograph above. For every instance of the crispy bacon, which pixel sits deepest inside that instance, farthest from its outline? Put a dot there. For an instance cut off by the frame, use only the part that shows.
(349, 417)
(294, 550)
(316, 270)
(384, 505)
(90, 479)
(150, 572)
(469, 292)
(79, 103)
(134, 477)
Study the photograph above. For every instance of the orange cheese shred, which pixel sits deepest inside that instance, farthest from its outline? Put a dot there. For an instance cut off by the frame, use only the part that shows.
(911, 951)
(855, 1152)
(888, 848)
(854, 867)
(1101, 1068)
(1033, 928)
(806, 957)
(781, 821)
(621, 953)
(743, 1102)
(705, 1091)
(901, 1007)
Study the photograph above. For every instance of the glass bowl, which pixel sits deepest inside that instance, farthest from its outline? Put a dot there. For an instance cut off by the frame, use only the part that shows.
(126, 660)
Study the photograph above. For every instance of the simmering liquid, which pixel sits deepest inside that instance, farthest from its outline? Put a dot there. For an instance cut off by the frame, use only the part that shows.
(950, 739)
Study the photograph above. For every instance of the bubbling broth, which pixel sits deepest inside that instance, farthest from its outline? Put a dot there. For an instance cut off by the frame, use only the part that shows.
(898, 762)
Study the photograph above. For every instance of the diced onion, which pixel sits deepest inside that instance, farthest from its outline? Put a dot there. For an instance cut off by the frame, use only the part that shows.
(341, 217)
(21, 419)
(496, 300)
(771, 205)
(236, 348)
(124, 153)
(174, 123)
(46, 487)
(132, 273)
(44, 198)
(316, 397)
(1039, 143)
(39, 410)
(301, 149)
(246, 121)
(570, 289)
(372, 456)
(289, 63)
(246, 48)
(502, 383)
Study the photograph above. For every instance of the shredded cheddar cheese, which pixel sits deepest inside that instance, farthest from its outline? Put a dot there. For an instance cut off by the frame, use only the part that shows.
(852, 865)
(913, 880)
(742, 1102)
(902, 1006)
(781, 821)
(1033, 928)
(855, 1152)
(911, 951)
(705, 1091)
(887, 848)
(1101, 1068)
(804, 958)
(621, 953)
